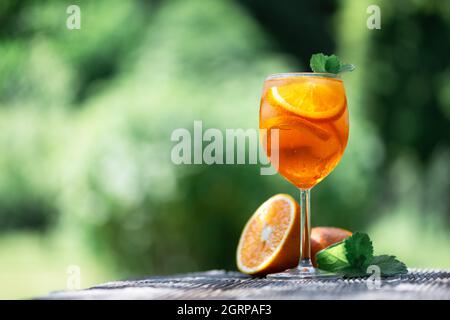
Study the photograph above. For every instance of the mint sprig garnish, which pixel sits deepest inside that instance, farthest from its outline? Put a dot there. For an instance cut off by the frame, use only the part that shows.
(329, 64)
(352, 256)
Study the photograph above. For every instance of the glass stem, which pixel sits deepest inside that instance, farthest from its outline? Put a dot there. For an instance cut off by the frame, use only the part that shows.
(305, 230)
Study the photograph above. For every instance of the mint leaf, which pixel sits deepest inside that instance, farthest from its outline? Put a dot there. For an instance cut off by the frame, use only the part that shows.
(352, 272)
(332, 258)
(333, 65)
(351, 257)
(359, 249)
(322, 63)
(317, 62)
(389, 265)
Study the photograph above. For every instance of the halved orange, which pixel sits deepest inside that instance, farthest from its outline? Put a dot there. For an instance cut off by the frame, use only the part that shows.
(270, 239)
(312, 97)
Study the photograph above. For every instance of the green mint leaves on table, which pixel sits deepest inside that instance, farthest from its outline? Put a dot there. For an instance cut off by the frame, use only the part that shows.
(352, 256)
(328, 64)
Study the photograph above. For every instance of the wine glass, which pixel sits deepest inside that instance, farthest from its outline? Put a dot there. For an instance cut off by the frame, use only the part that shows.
(309, 110)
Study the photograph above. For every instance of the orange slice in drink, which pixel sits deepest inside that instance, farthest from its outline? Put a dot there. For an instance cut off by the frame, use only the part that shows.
(312, 98)
(270, 240)
(295, 123)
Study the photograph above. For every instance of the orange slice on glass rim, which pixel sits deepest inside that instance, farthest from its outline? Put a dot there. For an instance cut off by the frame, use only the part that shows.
(270, 239)
(312, 98)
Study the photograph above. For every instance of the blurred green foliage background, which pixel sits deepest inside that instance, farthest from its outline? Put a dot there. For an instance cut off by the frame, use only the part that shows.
(86, 117)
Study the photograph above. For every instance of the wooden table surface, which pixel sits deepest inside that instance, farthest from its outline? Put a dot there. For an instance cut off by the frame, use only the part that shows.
(219, 284)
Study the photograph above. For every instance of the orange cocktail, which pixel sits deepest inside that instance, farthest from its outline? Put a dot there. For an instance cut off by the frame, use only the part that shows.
(310, 112)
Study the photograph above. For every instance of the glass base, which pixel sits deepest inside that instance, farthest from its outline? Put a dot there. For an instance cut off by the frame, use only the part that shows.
(303, 271)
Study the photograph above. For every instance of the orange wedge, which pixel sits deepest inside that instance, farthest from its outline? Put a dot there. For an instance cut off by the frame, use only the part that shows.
(270, 240)
(313, 97)
(295, 123)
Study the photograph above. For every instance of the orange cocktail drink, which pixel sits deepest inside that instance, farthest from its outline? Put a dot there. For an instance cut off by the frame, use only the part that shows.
(310, 112)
